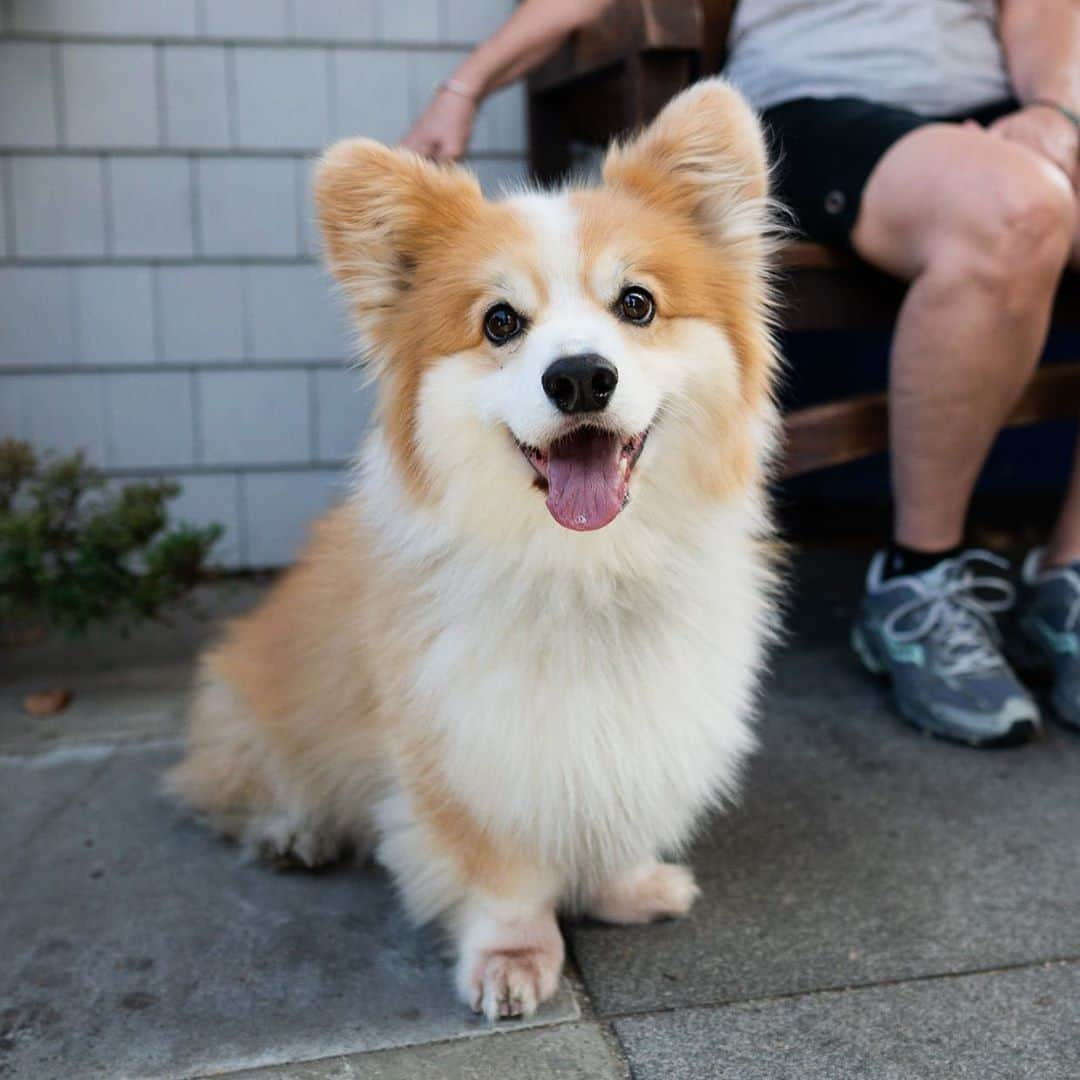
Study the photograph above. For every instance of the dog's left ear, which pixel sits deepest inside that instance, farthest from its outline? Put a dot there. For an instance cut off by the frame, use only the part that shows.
(704, 157)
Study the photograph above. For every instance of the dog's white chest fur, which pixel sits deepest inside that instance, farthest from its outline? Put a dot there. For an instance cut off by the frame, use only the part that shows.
(593, 719)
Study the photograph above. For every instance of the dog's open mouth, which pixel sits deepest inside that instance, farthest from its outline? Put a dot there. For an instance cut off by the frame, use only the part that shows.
(587, 475)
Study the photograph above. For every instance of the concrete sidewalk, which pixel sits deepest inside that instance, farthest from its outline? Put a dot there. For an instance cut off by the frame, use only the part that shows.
(878, 905)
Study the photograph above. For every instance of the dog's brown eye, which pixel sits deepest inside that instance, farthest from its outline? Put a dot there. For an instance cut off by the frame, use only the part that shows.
(502, 323)
(636, 305)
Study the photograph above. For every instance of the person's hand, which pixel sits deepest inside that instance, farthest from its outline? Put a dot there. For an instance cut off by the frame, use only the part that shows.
(443, 129)
(1045, 131)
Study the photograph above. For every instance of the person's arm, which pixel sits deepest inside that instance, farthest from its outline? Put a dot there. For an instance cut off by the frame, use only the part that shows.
(533, 33)
(1041, 39)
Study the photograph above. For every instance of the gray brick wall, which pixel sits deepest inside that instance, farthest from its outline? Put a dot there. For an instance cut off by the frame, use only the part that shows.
(161, 303)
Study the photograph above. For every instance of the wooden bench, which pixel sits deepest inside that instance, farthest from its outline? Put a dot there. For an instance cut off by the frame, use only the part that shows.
(614, 76)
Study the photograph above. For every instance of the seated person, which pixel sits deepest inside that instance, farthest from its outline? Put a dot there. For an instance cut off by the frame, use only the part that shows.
(939, 140)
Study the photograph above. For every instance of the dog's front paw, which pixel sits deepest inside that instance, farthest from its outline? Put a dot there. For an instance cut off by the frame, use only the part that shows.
(285, 842)
(645, 894)
(515, 973)
(514, 982)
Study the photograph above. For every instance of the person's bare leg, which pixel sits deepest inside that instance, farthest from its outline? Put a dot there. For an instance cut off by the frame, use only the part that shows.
(982, 230)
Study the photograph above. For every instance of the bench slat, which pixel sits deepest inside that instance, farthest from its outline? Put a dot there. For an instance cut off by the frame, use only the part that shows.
(839, 432)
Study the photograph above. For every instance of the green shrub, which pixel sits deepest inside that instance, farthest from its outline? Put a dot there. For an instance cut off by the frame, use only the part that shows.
(73, 552)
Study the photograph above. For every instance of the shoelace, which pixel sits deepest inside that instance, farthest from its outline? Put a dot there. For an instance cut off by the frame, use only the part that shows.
(955, 615)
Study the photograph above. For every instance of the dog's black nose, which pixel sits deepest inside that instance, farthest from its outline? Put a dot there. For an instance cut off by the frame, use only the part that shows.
(580, 383)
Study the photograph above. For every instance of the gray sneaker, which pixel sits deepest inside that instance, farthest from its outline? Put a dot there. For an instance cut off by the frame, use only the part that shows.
(935, 636)
(1048, 620)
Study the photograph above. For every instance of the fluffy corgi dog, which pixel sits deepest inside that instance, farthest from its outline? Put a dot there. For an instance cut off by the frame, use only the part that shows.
(518, 662)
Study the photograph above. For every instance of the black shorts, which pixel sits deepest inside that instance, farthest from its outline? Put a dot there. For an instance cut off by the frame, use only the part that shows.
(826, 148)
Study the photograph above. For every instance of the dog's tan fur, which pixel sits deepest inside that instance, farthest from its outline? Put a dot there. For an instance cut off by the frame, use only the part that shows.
(309, 730)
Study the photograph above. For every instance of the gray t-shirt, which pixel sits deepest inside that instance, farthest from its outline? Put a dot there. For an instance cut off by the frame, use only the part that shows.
(931, 56)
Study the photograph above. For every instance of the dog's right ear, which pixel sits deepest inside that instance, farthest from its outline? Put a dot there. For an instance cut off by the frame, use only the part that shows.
(704, 157)
(381, 211)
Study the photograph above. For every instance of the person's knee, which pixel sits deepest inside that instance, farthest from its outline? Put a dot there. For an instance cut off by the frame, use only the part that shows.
(966, 205)
(1038, 217)
(1013, 234)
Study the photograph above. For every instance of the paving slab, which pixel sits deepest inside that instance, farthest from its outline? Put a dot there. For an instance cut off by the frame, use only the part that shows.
(138, 945)
(862, 855)
(127, 684)
(144, 701)
(861, 851)
(564, 1052)
(34, 791)
(1012, 1025)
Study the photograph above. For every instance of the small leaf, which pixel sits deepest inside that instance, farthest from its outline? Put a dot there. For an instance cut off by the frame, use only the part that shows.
(47, 702)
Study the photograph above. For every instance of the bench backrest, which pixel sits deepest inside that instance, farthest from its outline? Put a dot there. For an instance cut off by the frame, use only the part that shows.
(717, 17)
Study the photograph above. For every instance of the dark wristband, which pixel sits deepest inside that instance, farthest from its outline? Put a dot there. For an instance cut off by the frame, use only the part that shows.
(1069, 115)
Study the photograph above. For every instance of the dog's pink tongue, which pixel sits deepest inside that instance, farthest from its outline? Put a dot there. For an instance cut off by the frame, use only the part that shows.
(586, 489)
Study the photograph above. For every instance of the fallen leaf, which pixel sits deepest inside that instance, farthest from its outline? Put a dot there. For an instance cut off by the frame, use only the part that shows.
(47, 702)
